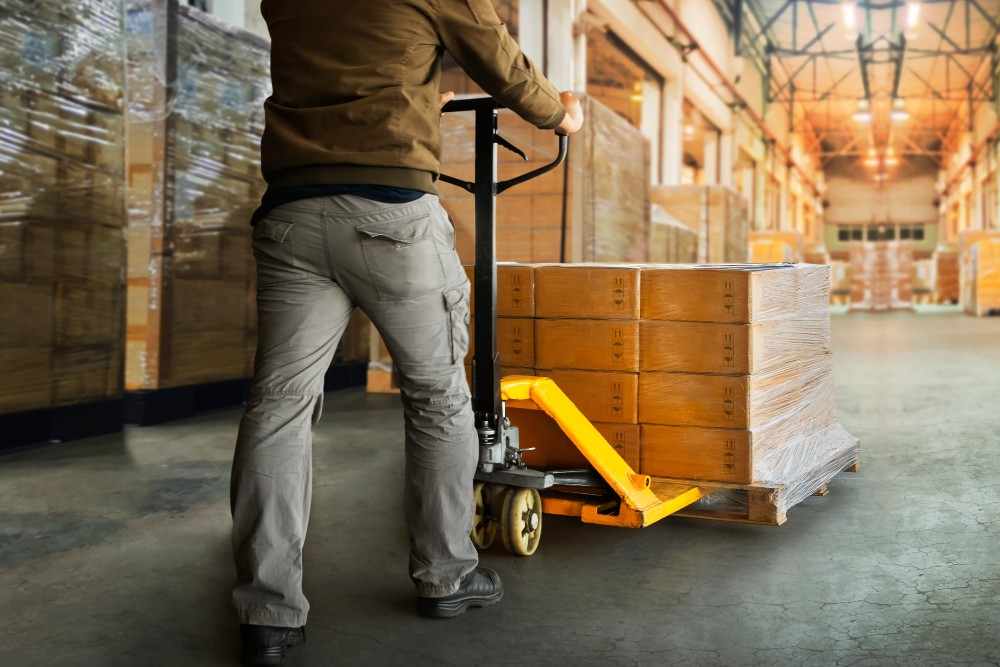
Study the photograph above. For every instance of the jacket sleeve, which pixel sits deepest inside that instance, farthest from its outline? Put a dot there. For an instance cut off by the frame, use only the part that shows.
(473, 34)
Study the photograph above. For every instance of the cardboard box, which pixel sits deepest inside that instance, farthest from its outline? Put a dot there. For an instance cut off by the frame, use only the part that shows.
(554, 450)
(207, 305)
(733, 294)
(733, 401)
(26, 375)
(28, 315)
(200, 357)
(780, 449)
(587, 291)
(600, 396)
(709, 347)
(515, 290)
(85, 374)
(596, 345)
(515, 342)
(87, 315)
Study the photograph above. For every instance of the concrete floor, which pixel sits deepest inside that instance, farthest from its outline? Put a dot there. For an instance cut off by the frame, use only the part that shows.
(114, 551)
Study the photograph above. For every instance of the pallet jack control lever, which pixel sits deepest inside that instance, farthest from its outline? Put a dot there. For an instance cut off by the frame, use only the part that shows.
(497, 439)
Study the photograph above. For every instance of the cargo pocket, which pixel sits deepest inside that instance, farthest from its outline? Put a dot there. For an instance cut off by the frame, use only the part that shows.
(272, 237)
(402, 257)
(457, 304)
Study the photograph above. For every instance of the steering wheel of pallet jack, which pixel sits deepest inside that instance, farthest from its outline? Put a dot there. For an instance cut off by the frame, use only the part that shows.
(521, 521)
(484, 523)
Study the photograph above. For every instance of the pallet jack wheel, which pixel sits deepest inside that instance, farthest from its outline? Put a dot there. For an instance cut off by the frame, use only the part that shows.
(521, 521)
(484, 523)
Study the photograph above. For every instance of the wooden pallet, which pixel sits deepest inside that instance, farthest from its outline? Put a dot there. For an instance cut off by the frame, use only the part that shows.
(761, 504)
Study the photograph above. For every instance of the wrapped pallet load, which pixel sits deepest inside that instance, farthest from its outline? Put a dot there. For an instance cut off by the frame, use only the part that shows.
(881, 276)
(719, 376)
(594, 208)
(62, 216)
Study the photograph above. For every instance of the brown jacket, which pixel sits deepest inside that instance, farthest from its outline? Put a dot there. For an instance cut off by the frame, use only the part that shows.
(356, 87)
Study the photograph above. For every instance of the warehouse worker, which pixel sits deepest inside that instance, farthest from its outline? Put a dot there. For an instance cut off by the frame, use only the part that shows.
(350, 152)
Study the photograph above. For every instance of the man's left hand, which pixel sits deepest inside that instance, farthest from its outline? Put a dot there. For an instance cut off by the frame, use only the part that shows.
(446, 97)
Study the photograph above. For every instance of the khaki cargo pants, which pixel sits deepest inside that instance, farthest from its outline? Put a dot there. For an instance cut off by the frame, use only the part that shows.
(316, 260)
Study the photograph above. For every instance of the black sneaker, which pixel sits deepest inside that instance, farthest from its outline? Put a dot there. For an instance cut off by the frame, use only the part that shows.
(264, 645)
(479, 588)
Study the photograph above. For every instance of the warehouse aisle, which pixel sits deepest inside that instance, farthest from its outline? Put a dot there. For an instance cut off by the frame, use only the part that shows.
(115, 551)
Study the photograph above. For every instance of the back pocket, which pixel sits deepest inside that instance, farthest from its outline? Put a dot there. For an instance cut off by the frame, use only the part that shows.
(402, 257)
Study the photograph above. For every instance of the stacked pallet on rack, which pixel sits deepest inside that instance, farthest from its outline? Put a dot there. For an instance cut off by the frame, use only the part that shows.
(713, 375)
(923, 280)
(881, 276)
(593, 208)
(62, 215)
(718, 213)
(840, 282)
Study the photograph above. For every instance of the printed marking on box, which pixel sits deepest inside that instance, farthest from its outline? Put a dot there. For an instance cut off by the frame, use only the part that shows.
(516, 290)
(729, 457)
(728, 350)
(729, 404)
(618, 293)
(617, 346)
(728, 297)
(618, 399)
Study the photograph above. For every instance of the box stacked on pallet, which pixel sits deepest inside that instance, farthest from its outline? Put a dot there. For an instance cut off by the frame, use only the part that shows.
(195, 111)
(968, 269)
(670, 241)
(593, 208)
(62, 212)
(718, 213)
(881, 275)
(946, 275)
(719, 375)
(985, 278)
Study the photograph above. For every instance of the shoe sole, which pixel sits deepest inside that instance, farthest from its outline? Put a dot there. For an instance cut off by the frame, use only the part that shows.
(273, 656)
(456, 608)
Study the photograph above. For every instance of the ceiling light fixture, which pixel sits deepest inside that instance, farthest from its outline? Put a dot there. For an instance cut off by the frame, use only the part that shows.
(850, 9)
(899, 112)
(912, 15)
(864, 112)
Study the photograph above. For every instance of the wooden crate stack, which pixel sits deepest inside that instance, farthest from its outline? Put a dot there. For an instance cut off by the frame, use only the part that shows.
(605, 180)
(715, 375)
(881, 276)
(718, 213)
(196, 92)
(62, 212)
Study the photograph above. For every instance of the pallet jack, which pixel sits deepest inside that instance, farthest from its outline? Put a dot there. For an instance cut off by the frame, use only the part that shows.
(508, 494)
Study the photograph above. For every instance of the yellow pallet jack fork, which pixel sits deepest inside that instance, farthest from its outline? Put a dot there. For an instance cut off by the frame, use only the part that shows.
(509, 496)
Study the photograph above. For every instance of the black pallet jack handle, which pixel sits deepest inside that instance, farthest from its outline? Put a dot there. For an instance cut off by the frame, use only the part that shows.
(486, 401)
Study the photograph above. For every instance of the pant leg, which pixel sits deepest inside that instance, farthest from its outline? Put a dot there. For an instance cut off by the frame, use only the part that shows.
(302, 314)
(399, 264)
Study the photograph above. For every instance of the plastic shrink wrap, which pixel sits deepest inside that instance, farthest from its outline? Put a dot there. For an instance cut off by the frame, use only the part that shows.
(976, 268)
(718, 213)
(593, 208)
(195, 116)
(881, 275)
(62, 236)
(670, 241)
(985, 278)
(725, 370)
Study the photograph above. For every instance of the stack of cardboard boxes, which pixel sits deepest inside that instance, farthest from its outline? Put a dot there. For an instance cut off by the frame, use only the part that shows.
(62, 237)
(985, 278)
(881, 275)
(195, 111)
(593, 208)
(946, 275)
(770, 247)
(975, 266)
(670, 241)
(718, 375)
(718, 214)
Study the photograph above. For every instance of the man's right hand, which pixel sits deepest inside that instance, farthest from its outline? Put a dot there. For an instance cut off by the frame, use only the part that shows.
(574, 114)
